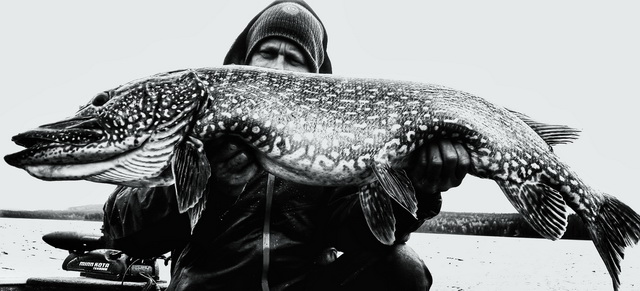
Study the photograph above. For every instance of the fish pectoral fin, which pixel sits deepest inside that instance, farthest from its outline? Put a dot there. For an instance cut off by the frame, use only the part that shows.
(550, 133)
(541, 206)
(378, 212)
(396, 183)
(191, 170)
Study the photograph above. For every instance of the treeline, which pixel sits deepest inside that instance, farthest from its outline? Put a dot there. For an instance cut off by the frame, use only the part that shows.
(52, 214)
(495, 224)
(489, 224)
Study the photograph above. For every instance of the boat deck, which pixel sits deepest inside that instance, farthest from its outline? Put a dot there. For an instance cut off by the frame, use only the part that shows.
(71, 284)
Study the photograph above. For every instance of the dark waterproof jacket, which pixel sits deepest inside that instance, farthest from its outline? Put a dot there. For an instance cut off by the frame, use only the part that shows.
(226, 251)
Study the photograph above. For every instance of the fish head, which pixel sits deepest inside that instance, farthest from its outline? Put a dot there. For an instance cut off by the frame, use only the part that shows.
(124, 136)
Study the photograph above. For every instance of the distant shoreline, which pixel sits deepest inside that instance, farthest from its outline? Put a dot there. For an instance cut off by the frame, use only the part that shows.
(465, 223)
(91, 215)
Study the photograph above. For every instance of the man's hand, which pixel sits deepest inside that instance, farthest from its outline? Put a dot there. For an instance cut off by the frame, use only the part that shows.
(436, 167)
(230, 163)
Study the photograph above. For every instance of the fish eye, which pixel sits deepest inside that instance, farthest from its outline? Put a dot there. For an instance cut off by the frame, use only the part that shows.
(100, 99)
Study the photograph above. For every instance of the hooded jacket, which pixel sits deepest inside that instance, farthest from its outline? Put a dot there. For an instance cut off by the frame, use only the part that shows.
(238, 51)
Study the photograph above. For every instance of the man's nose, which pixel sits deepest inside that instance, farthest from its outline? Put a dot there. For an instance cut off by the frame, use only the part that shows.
(278, 63)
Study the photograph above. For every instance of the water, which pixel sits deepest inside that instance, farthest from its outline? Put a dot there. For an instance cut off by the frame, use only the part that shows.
(457, 262)
(461, 262)
(24, 254)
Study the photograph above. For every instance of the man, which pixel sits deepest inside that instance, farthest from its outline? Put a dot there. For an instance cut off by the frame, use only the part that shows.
(261, 232)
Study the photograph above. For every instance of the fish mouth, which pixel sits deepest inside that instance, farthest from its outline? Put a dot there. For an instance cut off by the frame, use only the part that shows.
(74, 137)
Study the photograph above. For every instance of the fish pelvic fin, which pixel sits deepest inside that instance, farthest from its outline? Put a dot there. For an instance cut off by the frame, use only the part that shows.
(397, 185)
(615, 227)
(540, 205)
(191, 170)
(378, 212)
(550, 133)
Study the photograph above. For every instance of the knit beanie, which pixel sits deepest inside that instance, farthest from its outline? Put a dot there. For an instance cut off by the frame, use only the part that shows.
(293, 22)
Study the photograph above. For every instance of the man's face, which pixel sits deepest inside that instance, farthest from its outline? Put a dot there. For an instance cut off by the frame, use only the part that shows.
(280, 54)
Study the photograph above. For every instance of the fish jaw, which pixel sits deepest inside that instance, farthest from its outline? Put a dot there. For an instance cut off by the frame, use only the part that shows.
(55, 172)
(87, 152)
(134, 163)
(79, 145)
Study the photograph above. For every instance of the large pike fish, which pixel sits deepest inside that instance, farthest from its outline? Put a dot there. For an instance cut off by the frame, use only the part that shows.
(321, 130)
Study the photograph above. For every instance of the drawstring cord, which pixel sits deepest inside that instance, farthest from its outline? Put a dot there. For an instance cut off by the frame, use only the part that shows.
(266, 232)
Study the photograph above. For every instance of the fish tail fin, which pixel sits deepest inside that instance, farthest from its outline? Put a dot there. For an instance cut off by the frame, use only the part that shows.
(615, 227)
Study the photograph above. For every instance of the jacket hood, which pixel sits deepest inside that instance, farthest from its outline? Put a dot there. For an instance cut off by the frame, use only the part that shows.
(238, 50)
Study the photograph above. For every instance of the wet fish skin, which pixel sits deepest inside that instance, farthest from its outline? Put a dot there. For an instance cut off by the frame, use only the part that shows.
(322, 130)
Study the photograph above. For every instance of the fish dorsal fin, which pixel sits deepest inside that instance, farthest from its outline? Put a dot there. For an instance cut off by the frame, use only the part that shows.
(397, 185)
(541, 206)
(191, 170)
(552, 134)
(378, 212)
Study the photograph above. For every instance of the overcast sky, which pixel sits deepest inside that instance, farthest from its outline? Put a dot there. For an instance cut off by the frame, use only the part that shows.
(559, 62)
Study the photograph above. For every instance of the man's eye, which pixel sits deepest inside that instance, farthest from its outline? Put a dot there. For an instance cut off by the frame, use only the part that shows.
(268, 55)
(296, 61)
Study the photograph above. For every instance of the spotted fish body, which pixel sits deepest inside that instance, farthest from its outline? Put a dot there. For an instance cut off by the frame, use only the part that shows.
(321, 130)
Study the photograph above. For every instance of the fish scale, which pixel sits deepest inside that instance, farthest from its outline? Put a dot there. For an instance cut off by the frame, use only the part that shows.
(321, 130)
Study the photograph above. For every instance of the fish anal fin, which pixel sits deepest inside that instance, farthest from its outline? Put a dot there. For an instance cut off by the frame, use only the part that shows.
(191, 170)
(378, 212)
(541, 206)
(397, 185)
(551, 134)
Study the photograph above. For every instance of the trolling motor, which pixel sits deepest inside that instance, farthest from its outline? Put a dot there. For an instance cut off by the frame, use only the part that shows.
(88, 254)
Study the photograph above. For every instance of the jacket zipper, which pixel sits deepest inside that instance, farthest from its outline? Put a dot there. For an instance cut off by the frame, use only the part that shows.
(266, 233)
